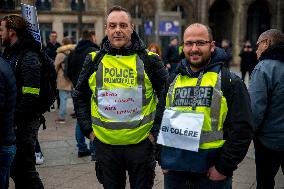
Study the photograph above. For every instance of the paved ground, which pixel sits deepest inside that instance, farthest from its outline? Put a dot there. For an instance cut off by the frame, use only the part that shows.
(63, 170)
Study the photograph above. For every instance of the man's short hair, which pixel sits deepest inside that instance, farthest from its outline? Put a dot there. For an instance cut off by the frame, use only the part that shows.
(209, 30)
(276, 36)
(87, 35)
(53, 32)
(66, 40)
(118, 8)
(93, 32)
(16, 23)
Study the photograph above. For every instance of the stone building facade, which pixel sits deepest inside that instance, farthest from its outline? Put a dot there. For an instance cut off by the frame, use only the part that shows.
(235, 20)
(63, 16)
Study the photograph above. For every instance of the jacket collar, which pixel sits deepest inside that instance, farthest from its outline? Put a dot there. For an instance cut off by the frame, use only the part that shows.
(275, 52)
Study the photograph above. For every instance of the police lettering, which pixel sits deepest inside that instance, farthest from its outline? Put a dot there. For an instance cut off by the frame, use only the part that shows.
(184, 96)
(119, 75)
(116, 72)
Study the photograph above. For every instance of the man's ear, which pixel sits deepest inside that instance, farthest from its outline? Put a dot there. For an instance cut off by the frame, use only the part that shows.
(132, 26)
(268, 42)
(212, 46)
(12, 33)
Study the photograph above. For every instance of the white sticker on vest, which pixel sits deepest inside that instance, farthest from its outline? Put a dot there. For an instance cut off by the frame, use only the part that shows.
(120, 104)
(181, 129)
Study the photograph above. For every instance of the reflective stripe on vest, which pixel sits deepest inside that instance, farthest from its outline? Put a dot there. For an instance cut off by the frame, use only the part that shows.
(30, 90)
(123, 125)
(214, 134)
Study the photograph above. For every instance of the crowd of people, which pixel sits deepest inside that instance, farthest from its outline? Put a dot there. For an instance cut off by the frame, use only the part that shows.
(182, 108)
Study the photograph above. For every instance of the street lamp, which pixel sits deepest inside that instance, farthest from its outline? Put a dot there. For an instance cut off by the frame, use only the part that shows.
(80, 14)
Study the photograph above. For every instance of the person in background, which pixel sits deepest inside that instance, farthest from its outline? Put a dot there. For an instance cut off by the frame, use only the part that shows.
(64, 85)
(248, 59)
(227, 46)
(50, 50)
(202, 139)
(52, 45)
(266, 89)
(8, 94)
(171, 56)
(86, 45)
(154, 47)
(115, 101)
(22, 54)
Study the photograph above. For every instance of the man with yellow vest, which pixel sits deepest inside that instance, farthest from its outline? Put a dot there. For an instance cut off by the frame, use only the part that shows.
(203, 119)
(115, 101)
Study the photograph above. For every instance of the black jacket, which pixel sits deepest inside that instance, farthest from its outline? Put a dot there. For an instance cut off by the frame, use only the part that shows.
(76, 58)
(8, 94)
(248, 60)
(27, 73)
(238, 124)
(50, 49)
(172, 57)
(153, 65)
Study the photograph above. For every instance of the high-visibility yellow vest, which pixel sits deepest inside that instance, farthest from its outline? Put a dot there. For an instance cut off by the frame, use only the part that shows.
(210, 101)
(121, 132)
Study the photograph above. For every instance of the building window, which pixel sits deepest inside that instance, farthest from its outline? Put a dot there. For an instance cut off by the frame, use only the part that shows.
(179, 8)
(71, 30)
(45, 30)
(43, 4)
(7, 4)
(75, 5)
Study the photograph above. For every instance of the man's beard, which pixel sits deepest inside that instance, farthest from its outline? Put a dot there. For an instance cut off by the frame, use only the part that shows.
(5, 43)
(204, 61)
(1, 47)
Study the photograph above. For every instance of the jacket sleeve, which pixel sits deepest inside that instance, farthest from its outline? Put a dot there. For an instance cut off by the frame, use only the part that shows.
(29, 76)
(166, 56)
(82, 99)
(237, 130)
(156, 72)
(161, 107)
(259, 87)
(2, 95)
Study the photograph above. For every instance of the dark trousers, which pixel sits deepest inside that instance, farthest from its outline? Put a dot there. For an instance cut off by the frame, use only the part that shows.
(244, 73)
(23, 170)
(7, 154)
(114, 160)
(187, 180)
(267, 163)
(37, 147)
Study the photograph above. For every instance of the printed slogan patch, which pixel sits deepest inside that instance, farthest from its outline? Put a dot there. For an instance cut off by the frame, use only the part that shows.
(184, 96)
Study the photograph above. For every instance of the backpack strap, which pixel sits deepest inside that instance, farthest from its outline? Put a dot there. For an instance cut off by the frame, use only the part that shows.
(227, 81)
(94, 64)
(143, 54)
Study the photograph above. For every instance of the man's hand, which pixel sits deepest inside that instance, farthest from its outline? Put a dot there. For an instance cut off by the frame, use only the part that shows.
(165, 171)
(214, 175)
(92, 136)
(151, 138)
